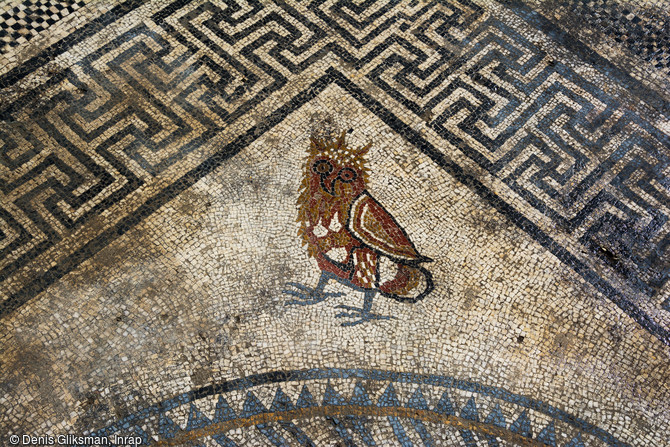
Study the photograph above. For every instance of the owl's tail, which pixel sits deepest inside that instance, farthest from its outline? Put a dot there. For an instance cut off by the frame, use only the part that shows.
(402, 282)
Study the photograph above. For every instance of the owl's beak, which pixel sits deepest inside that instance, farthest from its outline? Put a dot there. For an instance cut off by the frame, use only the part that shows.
(328, 184)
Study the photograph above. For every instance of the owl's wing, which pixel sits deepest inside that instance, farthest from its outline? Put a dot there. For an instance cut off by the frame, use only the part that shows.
(375, 227)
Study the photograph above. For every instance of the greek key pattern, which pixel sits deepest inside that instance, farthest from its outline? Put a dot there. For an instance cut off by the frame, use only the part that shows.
(115, 129)
(565, 146)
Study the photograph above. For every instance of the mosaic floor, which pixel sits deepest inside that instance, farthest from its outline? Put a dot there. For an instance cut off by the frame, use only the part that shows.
(335, 223)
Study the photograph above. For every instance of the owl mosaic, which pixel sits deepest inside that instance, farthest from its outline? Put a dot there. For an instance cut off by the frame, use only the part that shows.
(354, 240)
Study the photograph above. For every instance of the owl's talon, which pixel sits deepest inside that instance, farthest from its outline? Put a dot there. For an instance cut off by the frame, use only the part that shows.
(299, 286)
(357, 312)
(308, 296)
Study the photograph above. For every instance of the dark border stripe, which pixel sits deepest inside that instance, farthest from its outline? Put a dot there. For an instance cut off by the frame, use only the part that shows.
(17, 73)
(588, 55)
(534, 19)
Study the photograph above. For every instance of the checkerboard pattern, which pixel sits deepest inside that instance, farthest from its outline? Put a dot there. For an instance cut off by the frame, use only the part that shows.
(28, 19)
(639, 31)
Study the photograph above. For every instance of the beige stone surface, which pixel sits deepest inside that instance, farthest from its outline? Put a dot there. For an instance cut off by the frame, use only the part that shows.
(532, 172)
(193, 296)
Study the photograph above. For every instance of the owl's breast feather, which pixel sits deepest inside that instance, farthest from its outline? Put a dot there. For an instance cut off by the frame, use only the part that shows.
(338, 254)
(319, 230)
(334, 226)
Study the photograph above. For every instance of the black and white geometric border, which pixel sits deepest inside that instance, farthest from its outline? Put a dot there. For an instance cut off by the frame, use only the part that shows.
(574, 153)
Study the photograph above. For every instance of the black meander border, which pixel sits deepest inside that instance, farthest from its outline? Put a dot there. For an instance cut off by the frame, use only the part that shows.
(103, 239)
(503, 207)
(535, 19)
(18, 73)
(333, 76)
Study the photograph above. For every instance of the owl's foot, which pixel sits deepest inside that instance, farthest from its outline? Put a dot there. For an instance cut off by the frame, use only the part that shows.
(306, 295)
(362, 313)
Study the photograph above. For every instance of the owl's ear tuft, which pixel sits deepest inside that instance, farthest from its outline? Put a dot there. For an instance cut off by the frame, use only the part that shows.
(339, 142)
(364, 150)
(316, 145)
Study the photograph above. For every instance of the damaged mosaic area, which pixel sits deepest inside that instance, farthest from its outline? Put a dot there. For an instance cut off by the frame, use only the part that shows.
(335, 222)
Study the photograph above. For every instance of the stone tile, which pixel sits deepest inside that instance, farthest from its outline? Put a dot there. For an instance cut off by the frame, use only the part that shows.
(335, 223)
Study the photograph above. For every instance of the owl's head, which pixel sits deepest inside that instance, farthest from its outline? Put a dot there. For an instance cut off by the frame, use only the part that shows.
(335, 169)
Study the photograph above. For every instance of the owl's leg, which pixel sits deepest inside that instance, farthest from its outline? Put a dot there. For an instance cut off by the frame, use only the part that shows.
(362, 313)
(305, 295)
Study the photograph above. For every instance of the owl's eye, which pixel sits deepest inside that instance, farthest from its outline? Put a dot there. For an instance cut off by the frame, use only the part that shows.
(347, 175)
(322, 167)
